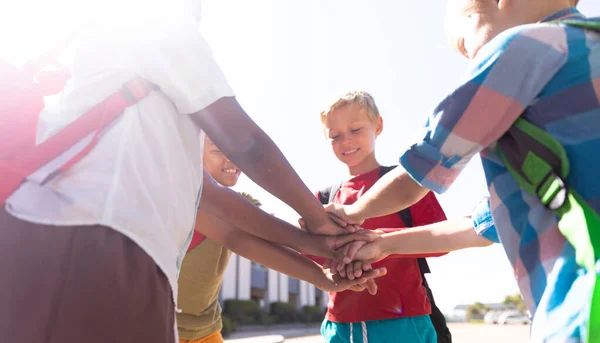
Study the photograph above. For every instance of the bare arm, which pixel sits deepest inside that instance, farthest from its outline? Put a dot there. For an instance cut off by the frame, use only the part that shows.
(450, 235)
(393, 192)
(273, 256)
(232, 130)
(222, 203)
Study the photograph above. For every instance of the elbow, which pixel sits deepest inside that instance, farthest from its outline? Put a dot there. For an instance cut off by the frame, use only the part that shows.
(482, 242)
(230, 241)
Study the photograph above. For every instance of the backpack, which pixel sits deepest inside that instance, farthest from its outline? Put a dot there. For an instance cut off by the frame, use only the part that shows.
(22, 92)
(438, 319)
(540, 165)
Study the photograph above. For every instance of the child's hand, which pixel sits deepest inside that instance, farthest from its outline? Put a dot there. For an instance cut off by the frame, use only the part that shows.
(336, 283)
(340, 214)
(332, 247)
(352, 248)
(370, 252)
(332, 226)
(370, 286)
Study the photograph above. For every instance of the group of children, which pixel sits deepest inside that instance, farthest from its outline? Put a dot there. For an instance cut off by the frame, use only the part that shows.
(95, 252)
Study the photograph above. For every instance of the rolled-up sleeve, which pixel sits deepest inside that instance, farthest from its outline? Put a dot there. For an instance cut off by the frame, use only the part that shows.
(483, 222)
(506, 77)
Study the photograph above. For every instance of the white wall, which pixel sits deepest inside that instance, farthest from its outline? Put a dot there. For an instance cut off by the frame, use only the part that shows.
(245, 271)
(311, 294)
(283, 288)
(229, 279)
(272, 287)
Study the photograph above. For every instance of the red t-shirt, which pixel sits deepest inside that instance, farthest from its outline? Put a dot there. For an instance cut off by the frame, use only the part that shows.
(400, 292)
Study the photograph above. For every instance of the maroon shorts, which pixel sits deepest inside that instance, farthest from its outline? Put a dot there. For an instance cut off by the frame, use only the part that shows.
(79, 284)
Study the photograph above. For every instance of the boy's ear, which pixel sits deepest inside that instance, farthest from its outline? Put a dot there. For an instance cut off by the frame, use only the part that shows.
(503, 3)
(378, 126)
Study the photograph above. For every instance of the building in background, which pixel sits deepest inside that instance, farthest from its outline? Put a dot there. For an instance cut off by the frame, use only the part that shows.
(247, 280)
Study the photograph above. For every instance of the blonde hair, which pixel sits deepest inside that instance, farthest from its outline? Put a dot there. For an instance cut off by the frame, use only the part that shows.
(361, 99)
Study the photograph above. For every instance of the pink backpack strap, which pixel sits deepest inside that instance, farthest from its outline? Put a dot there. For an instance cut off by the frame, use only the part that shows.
(92, 123)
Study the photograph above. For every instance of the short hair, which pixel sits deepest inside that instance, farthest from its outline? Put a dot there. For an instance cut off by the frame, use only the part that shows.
(362, 99)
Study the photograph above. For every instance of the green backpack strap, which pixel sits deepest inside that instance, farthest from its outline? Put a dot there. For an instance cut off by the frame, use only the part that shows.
(539, 163)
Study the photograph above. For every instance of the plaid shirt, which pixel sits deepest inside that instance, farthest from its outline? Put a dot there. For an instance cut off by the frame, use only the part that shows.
(550, 75)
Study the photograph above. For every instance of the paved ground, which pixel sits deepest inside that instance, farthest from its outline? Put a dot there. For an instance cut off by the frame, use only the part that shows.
(461, 333)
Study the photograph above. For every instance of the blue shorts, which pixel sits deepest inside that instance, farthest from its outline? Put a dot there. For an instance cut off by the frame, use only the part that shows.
(406, 330)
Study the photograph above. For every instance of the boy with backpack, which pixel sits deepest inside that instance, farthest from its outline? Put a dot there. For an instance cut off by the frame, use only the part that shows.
(529, 105)
(202, 269)
(403, 301)
(99, 195)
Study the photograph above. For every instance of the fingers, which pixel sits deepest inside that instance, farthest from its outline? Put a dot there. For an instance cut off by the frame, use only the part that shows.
(353, 249)
(337, 220)
(366, 267)
(358, 268)
(354, 227)
(371, 286)
(341, 267)
(344, 250)
(328, 263)
(350, 271)
(358, 288)
(302, 223)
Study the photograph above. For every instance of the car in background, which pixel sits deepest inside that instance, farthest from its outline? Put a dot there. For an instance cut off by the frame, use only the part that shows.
(492, 317)
(513, 317)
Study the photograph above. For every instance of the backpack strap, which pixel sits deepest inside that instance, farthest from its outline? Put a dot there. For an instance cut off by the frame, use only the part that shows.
(71, 143)
(540, 165)
(541, 168)
(327, 194)
(406, 217)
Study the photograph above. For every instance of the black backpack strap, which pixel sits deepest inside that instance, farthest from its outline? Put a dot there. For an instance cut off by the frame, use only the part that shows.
(327, 194)
(406, 217)
(324, 195)
(436, 316)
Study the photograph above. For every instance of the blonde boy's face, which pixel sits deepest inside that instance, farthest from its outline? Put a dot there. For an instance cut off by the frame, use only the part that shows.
(218, 165)
(352, 134)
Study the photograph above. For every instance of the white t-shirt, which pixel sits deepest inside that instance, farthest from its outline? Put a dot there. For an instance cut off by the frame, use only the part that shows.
(144, 176)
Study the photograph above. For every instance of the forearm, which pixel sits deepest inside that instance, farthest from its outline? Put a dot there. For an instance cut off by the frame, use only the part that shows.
(231, 207)
(256, 249)
(392, 230)
(251, 149)
(393, 192)
(278, 258)
(450, 235)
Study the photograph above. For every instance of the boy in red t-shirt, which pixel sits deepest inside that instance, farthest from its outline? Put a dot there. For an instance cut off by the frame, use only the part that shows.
(400, 309)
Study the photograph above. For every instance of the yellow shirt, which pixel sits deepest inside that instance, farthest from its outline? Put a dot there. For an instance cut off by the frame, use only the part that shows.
(199, 282)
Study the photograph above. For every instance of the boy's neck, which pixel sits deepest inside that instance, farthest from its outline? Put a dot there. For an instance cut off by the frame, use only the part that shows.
(541, 9)
(365, 166)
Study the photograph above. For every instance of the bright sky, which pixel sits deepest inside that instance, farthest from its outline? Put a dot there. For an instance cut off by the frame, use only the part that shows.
(287, 59)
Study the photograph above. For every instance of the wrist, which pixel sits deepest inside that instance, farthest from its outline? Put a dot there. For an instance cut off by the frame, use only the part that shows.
(385, 245)
(301, 239)
(355, 213)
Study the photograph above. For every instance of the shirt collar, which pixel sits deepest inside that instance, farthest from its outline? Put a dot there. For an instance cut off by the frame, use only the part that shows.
(570, 12)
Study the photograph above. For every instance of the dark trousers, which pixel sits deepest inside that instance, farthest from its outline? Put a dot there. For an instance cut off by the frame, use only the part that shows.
(79, 284)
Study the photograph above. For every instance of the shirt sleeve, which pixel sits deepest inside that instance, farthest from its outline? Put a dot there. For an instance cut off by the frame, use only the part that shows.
(174, 55)
(483, 222)
(506, 77)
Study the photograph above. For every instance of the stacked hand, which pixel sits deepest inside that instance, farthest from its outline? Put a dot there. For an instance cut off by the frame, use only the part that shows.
(349, 250)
